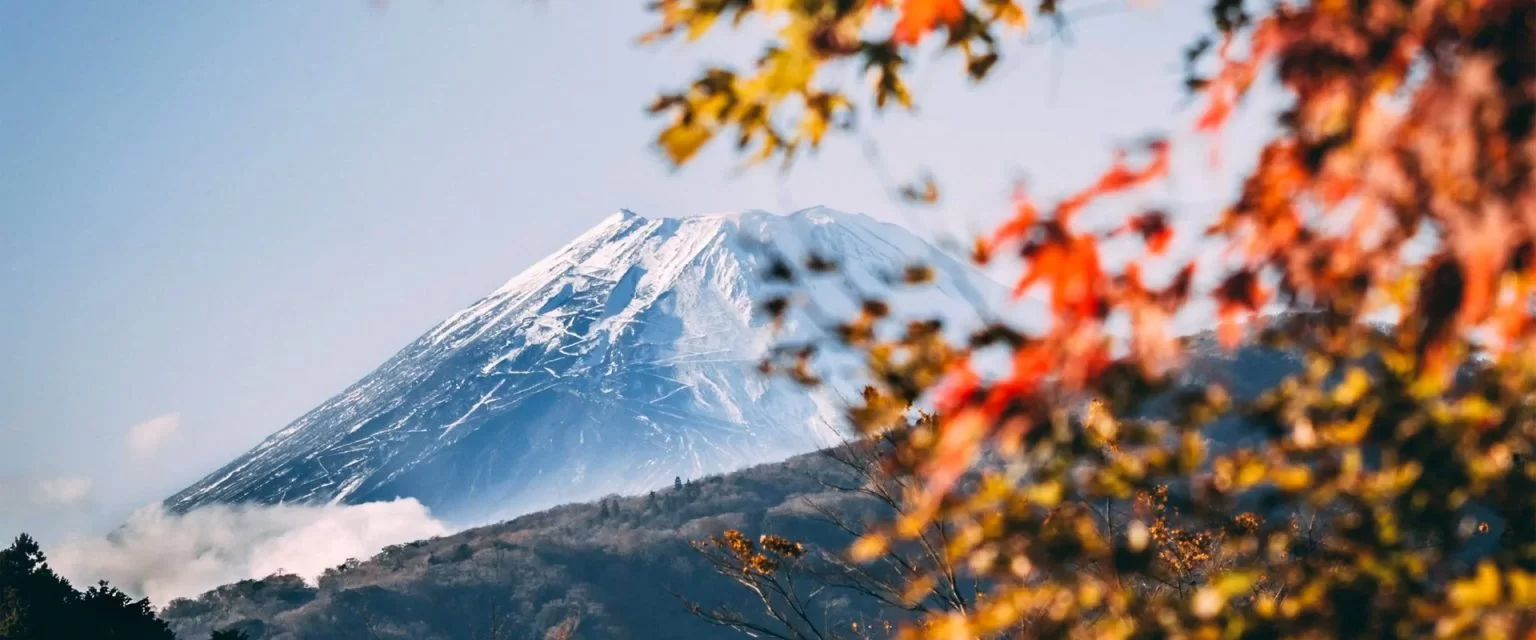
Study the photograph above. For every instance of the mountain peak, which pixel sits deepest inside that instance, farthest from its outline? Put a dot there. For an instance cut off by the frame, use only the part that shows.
(623, 360)
(818, 214)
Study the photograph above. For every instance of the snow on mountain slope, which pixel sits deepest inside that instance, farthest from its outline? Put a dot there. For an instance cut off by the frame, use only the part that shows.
(620, 361)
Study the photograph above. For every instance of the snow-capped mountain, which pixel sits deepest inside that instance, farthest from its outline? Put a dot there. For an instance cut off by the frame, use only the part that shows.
(619, 362)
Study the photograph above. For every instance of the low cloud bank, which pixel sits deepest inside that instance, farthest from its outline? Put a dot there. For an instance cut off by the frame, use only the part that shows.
(164, 555)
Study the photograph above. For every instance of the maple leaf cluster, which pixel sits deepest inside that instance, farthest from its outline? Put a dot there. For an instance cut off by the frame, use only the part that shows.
(1401, 434)
(786, 103)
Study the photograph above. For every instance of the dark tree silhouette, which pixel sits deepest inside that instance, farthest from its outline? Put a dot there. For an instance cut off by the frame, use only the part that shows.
(36, 603)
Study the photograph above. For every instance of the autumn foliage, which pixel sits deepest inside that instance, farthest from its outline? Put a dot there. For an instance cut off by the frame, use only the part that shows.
(1409, 425)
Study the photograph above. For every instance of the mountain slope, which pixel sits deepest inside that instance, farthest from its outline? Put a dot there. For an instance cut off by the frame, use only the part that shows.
(622, 360)
(615, 566)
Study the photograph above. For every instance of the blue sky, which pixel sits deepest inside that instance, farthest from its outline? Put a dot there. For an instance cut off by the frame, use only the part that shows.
(220, 214)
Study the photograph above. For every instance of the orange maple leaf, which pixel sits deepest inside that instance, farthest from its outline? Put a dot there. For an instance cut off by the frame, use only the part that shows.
(1481, 247)
(1070, 265)
(1120, 177)
(1025, 215)
(959, 441)
(1233, 77)
(1241, 294)
(960, 384)
(918, 17)
(1512, 319)
(1152, 226)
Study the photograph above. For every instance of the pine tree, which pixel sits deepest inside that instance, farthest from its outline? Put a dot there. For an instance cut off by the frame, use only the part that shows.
(113, 614)
(677, 483)
(37, 603)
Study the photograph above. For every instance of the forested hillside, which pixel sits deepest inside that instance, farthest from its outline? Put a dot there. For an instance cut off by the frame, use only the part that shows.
(612, 569)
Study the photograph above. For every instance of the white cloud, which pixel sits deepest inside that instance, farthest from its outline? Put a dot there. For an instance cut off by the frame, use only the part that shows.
(48, 493)
(64, 491)
(145, 438)
(165, 556)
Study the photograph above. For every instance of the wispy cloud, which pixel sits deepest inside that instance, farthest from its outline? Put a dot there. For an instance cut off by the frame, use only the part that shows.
(146, 438)
(64, 491)
(32, 494)
(165, 555)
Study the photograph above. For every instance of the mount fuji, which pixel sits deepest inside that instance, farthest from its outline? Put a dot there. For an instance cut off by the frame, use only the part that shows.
(621, 361)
